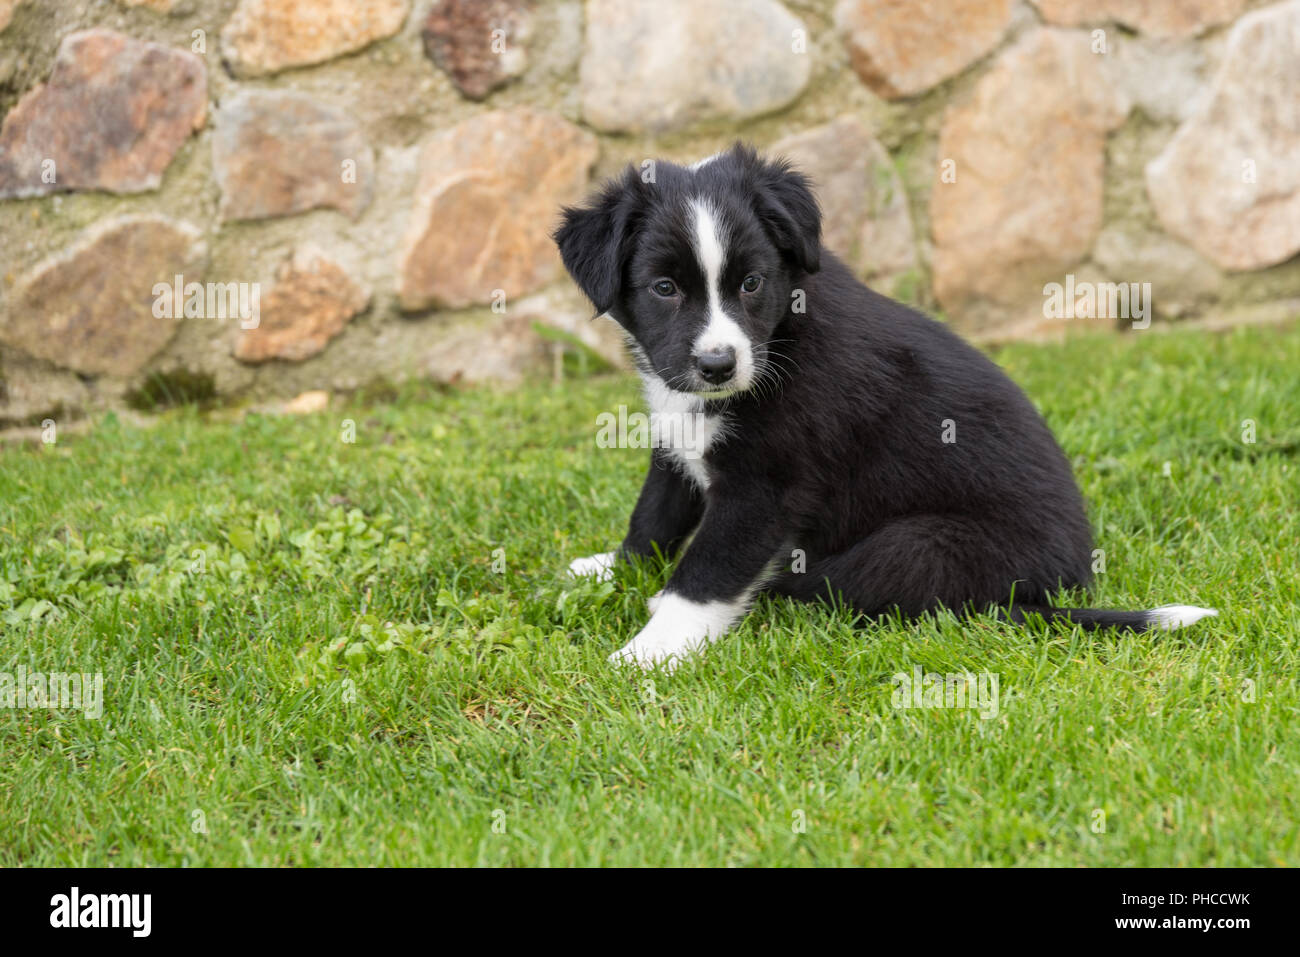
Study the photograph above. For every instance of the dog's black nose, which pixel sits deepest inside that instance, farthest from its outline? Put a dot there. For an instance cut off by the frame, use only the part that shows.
(717, 365)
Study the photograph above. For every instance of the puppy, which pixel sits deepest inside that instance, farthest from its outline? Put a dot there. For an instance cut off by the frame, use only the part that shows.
(814, 438)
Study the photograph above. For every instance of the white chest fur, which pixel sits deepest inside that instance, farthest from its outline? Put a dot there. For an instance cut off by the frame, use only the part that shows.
(679, 426)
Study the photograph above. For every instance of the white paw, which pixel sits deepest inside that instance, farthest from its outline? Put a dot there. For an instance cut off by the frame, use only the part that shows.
(645, 655)
(677, 628)
(653, 647)
(600, 567)
(652, 603)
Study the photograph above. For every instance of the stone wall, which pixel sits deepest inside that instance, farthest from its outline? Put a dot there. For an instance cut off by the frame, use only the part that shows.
(373, 181)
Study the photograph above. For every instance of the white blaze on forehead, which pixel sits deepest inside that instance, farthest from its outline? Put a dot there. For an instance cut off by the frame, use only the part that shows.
(721, 330)
(709, 248)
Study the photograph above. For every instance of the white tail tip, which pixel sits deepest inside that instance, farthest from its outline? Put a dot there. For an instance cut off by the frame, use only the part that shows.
(1169, 617)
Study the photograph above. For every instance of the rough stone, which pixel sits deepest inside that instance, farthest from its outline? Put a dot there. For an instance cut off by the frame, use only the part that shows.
(1157, 18)
(504, 350)
(266, 36)
(312, 300)
(111, 117)
(161, 6)
(305, 403)
(31, 391)
(1181, 279)
(1033, 321)
(1228, 183)
(904, 47)
(7, 8)
(278, 152)
(1165, 79)
(563, 307)
(665, 65)
(865, 219)
(91, 308)
(488, 196)
(1028, 153)
(479, 43)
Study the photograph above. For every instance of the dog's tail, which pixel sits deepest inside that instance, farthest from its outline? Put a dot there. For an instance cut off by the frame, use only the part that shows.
(1164, 618)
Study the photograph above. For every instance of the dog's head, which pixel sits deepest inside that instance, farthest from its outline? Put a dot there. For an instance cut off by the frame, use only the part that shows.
(698, 264)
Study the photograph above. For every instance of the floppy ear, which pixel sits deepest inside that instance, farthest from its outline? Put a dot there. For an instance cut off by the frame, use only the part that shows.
(788, 210)
(595, 240)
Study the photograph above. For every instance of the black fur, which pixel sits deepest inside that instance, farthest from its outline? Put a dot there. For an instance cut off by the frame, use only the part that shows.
(838, 449)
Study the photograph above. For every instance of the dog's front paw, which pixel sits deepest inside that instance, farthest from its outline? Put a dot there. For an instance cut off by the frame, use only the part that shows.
(652, 603)
(647, 650)
(600, 567)
(677, 628)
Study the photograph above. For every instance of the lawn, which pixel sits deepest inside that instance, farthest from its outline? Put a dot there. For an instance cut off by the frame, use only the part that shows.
(321, 651)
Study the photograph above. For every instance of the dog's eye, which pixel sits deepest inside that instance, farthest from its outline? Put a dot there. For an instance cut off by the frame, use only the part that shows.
(751, 284)
(665, 288)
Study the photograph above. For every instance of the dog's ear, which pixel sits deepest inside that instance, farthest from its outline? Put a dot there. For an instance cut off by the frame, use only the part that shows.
(787, 208)
(595, 240)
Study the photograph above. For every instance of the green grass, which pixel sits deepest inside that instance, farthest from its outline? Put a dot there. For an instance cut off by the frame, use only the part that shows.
(234, 583)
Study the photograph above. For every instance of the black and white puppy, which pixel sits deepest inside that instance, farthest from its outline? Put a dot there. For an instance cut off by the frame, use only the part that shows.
(837, 442)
